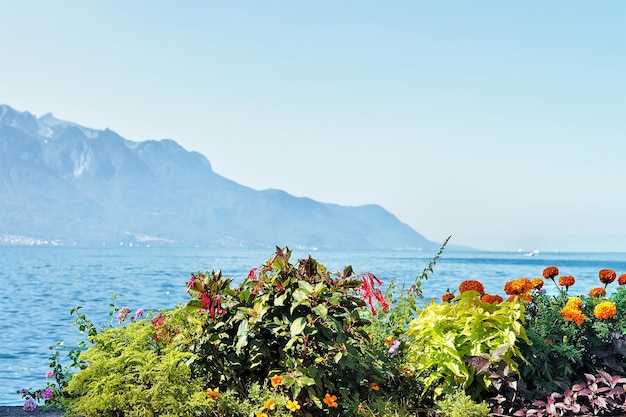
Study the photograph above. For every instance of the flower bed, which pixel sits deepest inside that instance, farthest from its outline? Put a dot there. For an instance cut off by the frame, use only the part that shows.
(294, 339)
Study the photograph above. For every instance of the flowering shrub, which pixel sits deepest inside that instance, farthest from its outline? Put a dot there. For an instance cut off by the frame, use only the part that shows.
(571, 336)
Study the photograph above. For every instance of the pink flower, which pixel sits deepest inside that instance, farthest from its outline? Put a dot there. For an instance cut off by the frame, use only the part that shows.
(47, 394)
(49, 374)
(29, 405)
(139, 313)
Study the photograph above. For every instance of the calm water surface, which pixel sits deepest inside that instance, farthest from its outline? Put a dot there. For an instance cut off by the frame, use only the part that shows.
(40, 285)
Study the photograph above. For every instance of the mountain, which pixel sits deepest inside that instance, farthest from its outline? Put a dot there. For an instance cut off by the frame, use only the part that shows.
(67, 184)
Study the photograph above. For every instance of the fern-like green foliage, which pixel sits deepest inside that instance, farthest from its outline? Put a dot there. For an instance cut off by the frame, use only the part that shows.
(130, 375)
(447, 336)
(459, 404)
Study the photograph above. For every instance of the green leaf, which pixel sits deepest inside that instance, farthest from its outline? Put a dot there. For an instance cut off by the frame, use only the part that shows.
(321, 311)
(242, 336)
(306, 286)
(298, 326)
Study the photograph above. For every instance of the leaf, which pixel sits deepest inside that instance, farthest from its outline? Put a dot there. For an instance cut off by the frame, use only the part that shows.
(321, 311)
(242, 336)
(298, 326)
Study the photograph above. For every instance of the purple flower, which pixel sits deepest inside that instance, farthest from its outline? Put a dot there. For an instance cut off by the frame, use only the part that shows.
(49, 374)
(47, 394)
(123, 314)
(139, 313)
(24, 390)
(394, 346)
(29, 405)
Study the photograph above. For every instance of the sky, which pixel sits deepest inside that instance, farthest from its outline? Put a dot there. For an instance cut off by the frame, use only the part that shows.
(501, 123)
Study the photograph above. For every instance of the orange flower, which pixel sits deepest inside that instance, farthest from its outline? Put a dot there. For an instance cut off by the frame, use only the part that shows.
(622, 279)
(471, 285)
(276, 380)
(566, 281)
(517, 286)
(574, 302)
(491, 299)
(374, 386)
(269, 404)
(607, 276)
(330, 400)
(212, 393)
(550, 272)
(447, 297)
(261, 414)
(597, 292)
(605, 310)
(537, 283)
(573, 314)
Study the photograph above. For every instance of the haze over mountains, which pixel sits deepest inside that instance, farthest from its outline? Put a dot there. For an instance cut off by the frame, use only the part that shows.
(67, 184)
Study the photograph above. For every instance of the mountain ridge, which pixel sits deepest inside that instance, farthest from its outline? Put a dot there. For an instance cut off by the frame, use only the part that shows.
(66, 183)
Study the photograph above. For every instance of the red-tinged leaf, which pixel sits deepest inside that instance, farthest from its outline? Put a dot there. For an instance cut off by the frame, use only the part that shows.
(578, 387)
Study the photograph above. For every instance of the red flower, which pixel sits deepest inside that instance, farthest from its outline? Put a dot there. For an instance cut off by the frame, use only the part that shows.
(369, 290)
(471, 285)
(622, 279)
(492, 299)
(566, 281)
(607, 276)
(550, 272)
(447, 297)
(597, 292)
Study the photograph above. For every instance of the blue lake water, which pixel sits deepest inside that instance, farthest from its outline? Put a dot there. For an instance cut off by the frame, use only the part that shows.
(40, 285)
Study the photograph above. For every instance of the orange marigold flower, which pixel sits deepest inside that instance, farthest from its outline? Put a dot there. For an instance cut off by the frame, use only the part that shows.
(607, 276)
(374, 386)
(537, 283)
(261, 414)
(622, 279)
(573, 314)
(471, 285)
(566, 281)
(550, 272)
(212, 392)
(330, 400)
(518, 286)
(447, 297)
(269, 404)
(491, 299)
(574, 302)
(597, 292)
(276, 380)
(605, 310)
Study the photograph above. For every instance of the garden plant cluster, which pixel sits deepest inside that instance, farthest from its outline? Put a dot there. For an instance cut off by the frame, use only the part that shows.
(293, 339)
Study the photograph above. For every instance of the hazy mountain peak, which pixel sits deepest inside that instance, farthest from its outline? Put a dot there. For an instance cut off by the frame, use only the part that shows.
(63, 182)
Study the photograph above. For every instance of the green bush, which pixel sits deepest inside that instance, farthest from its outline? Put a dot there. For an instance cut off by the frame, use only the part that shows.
(130, 373)
(459, 404)
(448, 340)
(296, 327)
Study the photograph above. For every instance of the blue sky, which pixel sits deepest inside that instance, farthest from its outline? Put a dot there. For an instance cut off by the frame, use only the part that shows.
(501, 123)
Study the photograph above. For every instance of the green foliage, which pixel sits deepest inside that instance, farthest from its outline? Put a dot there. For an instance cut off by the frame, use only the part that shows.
(132, 374)
(459, 404)
(447, 338)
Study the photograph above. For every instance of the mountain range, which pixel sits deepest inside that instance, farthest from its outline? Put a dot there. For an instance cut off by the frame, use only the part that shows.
(62, 183)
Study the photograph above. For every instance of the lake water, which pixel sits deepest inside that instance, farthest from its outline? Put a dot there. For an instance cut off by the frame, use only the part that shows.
(40, 285)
